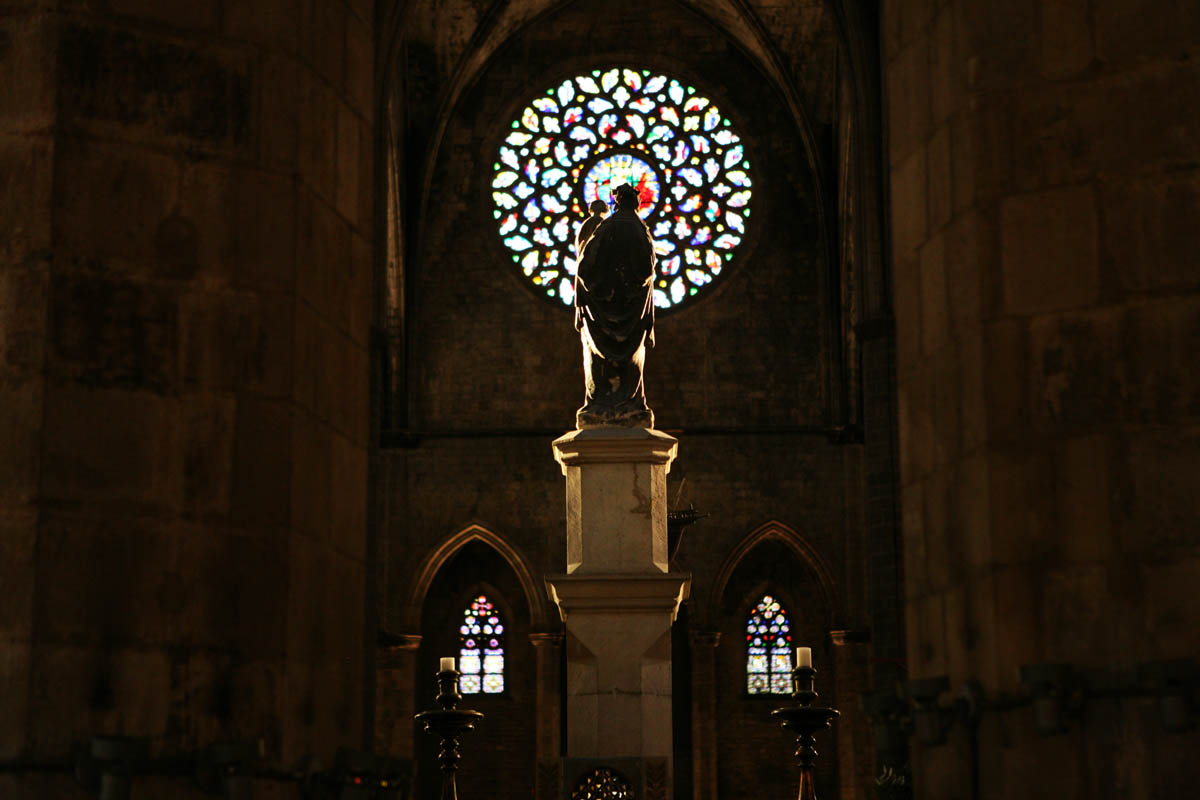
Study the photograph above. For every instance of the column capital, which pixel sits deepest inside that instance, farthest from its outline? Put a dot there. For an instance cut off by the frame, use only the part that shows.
(399, 641)
(615, 446)
(546, 639)
(395, 650)
(619, 592)
(703, 637)
(840, 638)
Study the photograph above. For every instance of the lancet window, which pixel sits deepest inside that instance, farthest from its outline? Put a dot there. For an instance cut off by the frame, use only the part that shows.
(768, 648)
(481, 648)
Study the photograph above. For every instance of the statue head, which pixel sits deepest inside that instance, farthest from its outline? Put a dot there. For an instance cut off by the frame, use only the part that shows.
(598, 207)
(626, 196)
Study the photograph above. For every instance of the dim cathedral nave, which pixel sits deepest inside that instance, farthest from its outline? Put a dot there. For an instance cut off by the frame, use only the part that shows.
(286, 336)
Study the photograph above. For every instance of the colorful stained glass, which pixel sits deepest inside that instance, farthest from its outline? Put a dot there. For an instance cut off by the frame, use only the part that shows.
(602, 783)
(610, 172)
(591, 133)
(768, 649)
(481, 648)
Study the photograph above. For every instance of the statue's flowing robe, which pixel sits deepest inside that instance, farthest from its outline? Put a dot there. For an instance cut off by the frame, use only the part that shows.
(585, 233)
(614, 313)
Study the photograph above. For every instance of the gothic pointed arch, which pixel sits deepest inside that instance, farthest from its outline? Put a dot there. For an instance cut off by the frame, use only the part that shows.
(772, 595)
(500, 22)
(440, 555)
(805, 553)
(475, 606)
(428, 110)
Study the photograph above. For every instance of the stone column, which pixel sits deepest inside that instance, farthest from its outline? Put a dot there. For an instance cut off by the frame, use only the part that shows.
(549, 713)
(618, 598)
(855, 746)
(704, 713)
(395, 696)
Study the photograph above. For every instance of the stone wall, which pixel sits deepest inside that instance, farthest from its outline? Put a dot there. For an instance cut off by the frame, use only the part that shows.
(1043, 176)
(183, 363)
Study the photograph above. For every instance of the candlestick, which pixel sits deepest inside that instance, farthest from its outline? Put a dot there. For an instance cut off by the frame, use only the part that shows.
(445, 663)
(804, 656)
(805, 719)
(448, 723)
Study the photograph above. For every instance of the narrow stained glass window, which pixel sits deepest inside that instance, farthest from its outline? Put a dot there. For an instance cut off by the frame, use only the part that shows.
(481, 648)
(768, 649)
(583, 138)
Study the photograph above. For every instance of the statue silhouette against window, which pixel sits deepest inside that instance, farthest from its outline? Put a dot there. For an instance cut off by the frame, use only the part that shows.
(599, 209)
(614, 314)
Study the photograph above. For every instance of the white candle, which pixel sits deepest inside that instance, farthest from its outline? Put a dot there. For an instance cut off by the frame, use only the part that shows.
(446, 664)
(804, 654)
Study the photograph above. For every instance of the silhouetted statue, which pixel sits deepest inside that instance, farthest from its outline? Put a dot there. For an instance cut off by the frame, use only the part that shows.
(599, 209)
(614, 314)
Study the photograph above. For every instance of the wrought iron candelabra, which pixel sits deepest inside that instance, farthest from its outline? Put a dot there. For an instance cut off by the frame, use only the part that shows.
(449, 722)
(804, 719)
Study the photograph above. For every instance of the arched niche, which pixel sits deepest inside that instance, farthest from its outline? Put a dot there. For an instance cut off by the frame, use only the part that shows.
(773, 559)
(804, 553)
(503, 744)
(533, 592)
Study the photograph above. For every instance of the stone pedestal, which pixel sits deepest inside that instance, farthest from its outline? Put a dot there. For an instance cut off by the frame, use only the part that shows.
(619, 662)
(618, 597)
(616, 498)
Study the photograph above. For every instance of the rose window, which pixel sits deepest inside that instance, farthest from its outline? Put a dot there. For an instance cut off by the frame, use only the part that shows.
(591, 133)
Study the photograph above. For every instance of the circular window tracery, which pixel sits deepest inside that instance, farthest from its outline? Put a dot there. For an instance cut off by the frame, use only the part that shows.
(609, 171)
(593, 132)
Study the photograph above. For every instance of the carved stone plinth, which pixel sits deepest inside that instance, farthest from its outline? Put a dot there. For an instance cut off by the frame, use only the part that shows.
(619, 661)
(618, 598)
(616, 498)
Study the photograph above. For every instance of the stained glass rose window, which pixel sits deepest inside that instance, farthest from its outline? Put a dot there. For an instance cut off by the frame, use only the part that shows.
(591, 133)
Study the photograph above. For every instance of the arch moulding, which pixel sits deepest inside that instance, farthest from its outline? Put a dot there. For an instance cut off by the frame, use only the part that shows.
(804, 552)
(539, 618)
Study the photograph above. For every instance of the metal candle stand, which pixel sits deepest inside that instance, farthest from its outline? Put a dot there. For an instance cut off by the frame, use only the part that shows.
(804, 719)
(449, 722)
